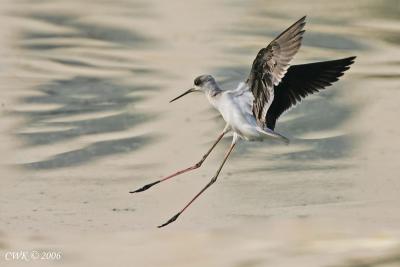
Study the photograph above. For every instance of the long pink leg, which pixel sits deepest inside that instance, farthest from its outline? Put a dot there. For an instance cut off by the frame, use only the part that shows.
(214, 178)
(195, 166)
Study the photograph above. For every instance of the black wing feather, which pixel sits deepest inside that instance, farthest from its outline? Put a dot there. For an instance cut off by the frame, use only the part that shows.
(270, 66)
(302, 80)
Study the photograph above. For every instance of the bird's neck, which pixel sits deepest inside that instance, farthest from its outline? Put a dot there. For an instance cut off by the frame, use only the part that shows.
(213, 90)
(212, 95)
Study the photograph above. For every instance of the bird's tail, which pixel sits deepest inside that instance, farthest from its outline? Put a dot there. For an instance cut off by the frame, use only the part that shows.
(275, 135)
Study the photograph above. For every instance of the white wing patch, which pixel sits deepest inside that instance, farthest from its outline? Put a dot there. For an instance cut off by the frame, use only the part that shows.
(244, 98)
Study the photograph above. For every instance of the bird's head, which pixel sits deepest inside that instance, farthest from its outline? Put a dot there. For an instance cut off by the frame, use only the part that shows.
(203, 83)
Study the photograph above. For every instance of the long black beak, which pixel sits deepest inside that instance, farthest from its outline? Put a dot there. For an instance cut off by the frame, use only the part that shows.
(185, 93)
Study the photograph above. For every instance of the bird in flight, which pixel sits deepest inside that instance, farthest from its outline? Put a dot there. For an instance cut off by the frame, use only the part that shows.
(273, 86)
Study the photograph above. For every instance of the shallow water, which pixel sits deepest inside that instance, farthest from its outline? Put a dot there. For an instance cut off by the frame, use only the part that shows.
(85, 87)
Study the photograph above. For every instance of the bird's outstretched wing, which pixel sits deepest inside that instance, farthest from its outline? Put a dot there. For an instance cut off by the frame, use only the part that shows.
(270, 65)
(302, 80)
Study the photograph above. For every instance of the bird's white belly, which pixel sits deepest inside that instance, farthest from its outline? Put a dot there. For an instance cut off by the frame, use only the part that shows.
(238, 118)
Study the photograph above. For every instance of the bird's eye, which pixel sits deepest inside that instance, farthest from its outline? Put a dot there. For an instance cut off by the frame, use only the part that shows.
(197, 82)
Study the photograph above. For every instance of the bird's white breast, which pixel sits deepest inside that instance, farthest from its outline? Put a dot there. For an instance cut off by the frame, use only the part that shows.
(235, 107)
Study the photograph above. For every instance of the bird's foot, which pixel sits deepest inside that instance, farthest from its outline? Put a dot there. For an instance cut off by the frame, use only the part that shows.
(144, 188)
(170, 220)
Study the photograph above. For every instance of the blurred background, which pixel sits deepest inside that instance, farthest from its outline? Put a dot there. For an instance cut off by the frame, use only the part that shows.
(85, 118)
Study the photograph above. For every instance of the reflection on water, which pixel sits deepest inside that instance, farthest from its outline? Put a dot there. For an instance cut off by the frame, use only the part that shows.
(96, 68)
(106, 101)
(91, 152)
(79, 96)
(82, 57)
(62, 38)
(66, 33)
(82, 30)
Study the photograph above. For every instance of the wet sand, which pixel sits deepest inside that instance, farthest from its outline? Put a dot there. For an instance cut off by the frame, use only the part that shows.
(85, 119)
